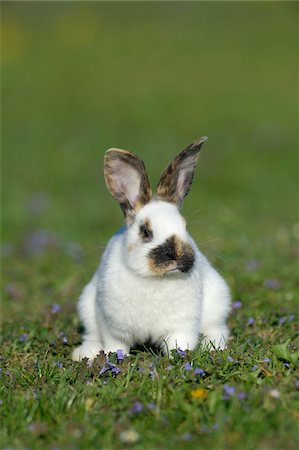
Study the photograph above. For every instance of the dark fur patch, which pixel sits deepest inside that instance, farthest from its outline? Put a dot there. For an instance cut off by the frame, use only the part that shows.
(145, 231)
(173, 249)
(183, 165)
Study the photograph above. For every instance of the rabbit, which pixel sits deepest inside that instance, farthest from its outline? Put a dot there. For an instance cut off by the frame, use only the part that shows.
(153, 283)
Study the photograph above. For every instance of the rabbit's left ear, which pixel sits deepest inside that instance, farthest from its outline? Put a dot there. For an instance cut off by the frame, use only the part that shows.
(127, 180)
(176, 180)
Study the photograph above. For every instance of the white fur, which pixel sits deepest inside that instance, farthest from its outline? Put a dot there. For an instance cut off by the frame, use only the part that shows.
(125, 303)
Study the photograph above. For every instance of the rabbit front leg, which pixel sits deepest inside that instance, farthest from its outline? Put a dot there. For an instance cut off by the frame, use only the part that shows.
(182, 340)
(215, 336)
(92, 342)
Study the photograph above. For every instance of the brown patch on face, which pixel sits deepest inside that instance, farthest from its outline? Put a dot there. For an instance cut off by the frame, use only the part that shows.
(176, 180)
(130, 247)
(173, 253)
(123, 169)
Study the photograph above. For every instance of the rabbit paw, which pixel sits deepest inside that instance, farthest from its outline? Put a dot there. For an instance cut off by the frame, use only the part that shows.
(87, 350)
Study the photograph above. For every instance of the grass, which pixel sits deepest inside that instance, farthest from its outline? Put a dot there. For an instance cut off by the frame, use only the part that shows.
(78, 78)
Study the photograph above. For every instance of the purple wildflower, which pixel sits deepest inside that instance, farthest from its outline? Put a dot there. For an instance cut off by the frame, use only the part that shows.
(152, 368)
(38, 240)
(215, 426)
(109, 366)
(237, 305)
(151, 406)
(252, 265)
(297, 384)
(241, 395)
(181, 352)
(272, 284)
(187, 366)
(205, 429)
(255, 367)
(55, 308)
(282, 320)
(199, 372)
(23, 337)
(291, 317)
(228, 391)
(230, 359)
(120, 354)
(187, 436)
(137, 408)
(286, 364)
(58, 364)
(169, 367)
(115, 370)
(250, 321)
(266, 360)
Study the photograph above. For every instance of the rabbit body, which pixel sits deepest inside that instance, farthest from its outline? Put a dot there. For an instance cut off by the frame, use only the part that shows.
(126, 303)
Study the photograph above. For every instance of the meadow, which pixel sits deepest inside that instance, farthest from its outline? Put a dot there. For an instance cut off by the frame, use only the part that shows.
(150, 77)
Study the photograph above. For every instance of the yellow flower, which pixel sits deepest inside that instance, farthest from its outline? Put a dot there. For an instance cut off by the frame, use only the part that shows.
(199, 393)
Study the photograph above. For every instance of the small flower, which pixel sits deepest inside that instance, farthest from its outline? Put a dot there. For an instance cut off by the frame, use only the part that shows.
(187, 366)
(55, 308)
(229, 391)
(250, 321)
(199, 372)
(181, 352)
(151, 406)
(286, 364)
(58, 364)
(291, 317)
(272, 284)
(255, 367)
(23, 337)
(199, 393)
(108, 366)
(230, 359)
(282, 320)
(137, 408)
(241, 395)
(266, 360)
(274, 393)
(297, 384)
(169, 367)
(187, 436)
(129, 436)
(115, 370)
(120, 354)
(237, 305)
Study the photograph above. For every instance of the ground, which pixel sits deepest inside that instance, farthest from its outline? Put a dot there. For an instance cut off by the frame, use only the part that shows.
(79, 78)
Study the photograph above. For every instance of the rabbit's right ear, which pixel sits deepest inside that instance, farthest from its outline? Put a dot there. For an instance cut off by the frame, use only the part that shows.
(127, 180)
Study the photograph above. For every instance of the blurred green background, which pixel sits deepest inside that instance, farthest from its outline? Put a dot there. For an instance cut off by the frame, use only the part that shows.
(150, 77)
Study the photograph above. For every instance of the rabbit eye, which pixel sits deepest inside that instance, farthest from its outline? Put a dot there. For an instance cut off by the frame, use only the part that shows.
(146, 233)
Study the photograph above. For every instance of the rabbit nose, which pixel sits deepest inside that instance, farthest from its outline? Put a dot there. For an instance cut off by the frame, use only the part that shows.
(185, 262)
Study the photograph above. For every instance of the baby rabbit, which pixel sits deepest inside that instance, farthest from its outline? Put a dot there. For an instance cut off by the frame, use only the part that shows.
(153, 283)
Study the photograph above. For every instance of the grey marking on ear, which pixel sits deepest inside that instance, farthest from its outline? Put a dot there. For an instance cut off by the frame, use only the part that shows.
(127, 180)
(176, 180)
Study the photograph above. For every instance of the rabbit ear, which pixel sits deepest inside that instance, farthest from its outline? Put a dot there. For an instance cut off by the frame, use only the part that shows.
(127, 180)
(176, 180)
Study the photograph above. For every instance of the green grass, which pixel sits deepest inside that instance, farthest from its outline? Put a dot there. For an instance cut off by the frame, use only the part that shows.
(78, 78)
